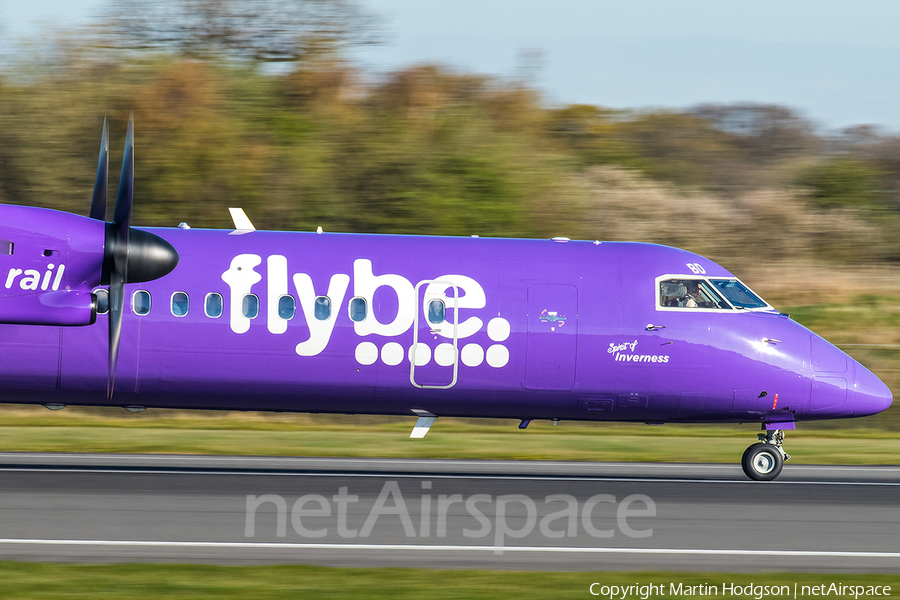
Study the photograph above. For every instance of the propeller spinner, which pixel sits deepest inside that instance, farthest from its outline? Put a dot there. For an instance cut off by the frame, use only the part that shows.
(130, 255)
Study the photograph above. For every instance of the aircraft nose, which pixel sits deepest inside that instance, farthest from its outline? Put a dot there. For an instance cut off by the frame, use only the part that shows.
(870, 394)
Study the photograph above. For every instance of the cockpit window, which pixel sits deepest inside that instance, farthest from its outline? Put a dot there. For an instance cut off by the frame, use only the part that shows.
(738, 293)
(690, 293)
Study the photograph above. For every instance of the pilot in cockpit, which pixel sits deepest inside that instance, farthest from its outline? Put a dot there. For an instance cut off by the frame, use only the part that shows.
(693, 297)
(684, 293)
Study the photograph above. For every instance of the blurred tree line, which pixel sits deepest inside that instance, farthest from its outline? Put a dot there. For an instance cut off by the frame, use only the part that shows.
(422, 150)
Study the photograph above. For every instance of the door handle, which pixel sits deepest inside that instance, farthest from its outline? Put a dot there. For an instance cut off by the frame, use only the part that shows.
(652, 327)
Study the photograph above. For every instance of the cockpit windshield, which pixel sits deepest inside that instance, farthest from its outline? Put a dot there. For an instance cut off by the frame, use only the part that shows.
(738, 294)
(690, 293)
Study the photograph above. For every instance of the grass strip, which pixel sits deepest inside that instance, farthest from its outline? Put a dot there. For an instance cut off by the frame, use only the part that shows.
(85, 429)
(585, 445)
(22, 581)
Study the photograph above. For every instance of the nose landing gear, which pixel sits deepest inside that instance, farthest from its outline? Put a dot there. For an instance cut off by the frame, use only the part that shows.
(763, 461)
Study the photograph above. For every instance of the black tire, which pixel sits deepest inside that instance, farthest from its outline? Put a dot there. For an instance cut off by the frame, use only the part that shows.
(762, 462)
(744, 457)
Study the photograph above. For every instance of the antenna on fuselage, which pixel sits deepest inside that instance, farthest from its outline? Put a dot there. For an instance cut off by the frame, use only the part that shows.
(241, 221)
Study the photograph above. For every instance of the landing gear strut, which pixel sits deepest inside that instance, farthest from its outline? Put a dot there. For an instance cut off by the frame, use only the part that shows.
(763, 461)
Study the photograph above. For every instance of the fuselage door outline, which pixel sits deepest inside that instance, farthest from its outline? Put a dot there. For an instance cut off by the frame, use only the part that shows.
(414, 350)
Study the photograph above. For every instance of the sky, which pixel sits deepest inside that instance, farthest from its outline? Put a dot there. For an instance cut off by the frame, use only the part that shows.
(835, 62)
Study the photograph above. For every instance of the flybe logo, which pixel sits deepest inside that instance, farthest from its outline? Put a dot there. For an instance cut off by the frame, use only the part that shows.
(242, 275)
(32, 279)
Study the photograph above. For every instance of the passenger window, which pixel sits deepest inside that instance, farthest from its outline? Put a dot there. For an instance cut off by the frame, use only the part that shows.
(358, 309)
(690, 293)
(286, 307)
(102, 301)
(322, 309)
(250, 306)
(436, 312)
(140, 302)
(6, 247)
(214, 305)
(180, 304)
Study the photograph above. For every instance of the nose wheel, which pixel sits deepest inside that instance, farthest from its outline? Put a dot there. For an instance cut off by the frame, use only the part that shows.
(764, 460)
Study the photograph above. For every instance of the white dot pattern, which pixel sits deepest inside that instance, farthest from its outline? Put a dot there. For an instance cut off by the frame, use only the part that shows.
(423, 354)
(392, 354)
(498, 329)
(444, 355)
(497, 356)
(366, 353)
(472, 355)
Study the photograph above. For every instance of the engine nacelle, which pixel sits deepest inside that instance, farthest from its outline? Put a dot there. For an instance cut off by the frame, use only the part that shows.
(33, 239)
(51, 260)
(49, 263)
(60, 308)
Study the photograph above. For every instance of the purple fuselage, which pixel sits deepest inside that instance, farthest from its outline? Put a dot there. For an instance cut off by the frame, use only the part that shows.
(541, 330)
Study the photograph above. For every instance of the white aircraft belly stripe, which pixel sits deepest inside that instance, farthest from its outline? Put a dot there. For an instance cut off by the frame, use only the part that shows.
(446, 548)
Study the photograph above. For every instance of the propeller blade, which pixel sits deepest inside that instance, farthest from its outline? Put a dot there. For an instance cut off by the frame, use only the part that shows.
(101, 185)
(125, 199)
(129, 256)
(116, 306)
(119, 274)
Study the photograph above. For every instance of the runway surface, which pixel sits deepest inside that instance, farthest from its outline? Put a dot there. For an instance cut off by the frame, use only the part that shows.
(533, 515)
